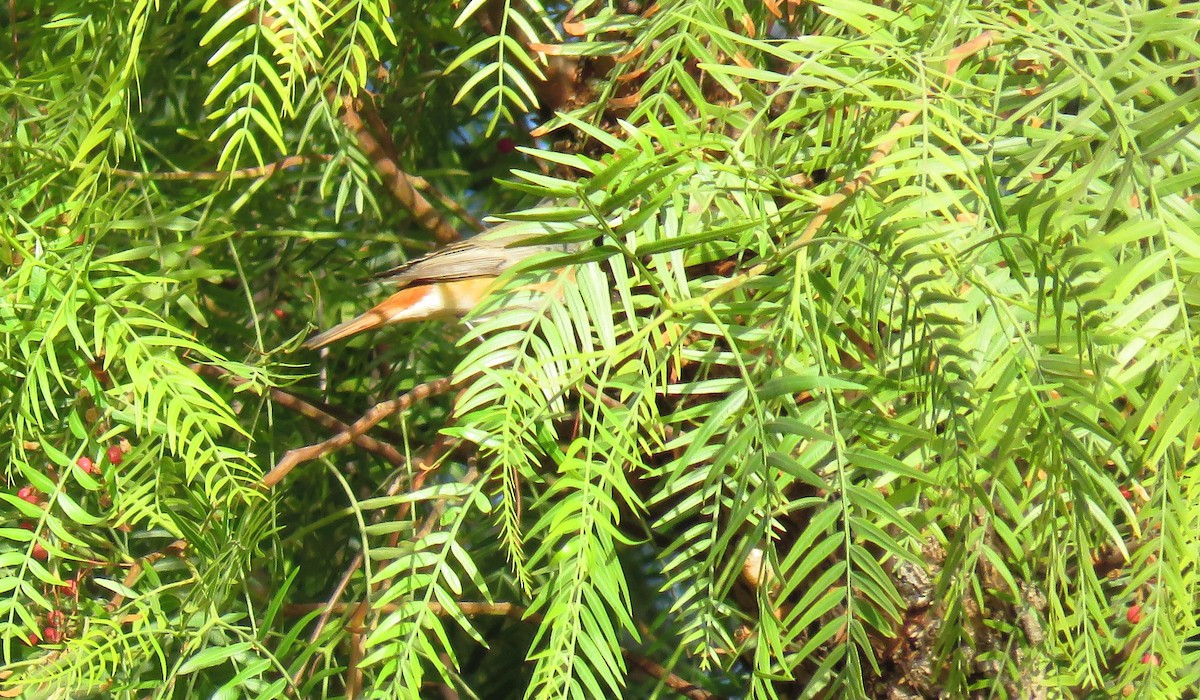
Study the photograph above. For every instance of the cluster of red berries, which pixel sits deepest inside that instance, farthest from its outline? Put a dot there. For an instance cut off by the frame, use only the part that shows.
(31, 495)
(53, 631)
(115, 456)
(1133, 615)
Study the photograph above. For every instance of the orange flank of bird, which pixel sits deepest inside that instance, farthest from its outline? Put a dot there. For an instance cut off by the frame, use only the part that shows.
(418, 303)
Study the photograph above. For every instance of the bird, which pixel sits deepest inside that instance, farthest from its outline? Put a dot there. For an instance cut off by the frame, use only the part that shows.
(447, 283)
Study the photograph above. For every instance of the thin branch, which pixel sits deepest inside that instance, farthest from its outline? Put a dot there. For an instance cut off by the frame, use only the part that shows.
(261, 171)
(447, 692)
(439, 507)
(290, 401)
(957, 55)
(16, 44)
(177, 547)
(669, 679)
(864, 177)
(360, 427)
(470, 609)
(340, 588)
(601, 396)
(465, 216)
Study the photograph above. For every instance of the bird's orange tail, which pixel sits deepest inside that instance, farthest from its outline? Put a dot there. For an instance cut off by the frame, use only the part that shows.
(367, 321)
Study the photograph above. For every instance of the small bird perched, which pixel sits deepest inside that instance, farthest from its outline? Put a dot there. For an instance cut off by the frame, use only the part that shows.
(447, 283)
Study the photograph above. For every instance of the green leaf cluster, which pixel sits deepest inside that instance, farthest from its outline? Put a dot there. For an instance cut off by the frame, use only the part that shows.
(877, 352)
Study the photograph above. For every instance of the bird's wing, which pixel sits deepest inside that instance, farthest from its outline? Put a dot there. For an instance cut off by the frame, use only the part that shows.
(456, 262)
(484, 255)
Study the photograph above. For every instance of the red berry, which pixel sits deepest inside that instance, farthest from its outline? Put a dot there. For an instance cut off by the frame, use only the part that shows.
(70, 588)
(87, 465)
(1133, 614)
(55, 618)
(1149, 658)
(1126, 493)
(279, 314)
(29, 495)
(39, 552)
(505, 146)
(115, 455)
(26, 525)
(52, 635)
(34, 639)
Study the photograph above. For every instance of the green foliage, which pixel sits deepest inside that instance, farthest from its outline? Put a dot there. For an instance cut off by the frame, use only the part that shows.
(876, 364)
(501, 68)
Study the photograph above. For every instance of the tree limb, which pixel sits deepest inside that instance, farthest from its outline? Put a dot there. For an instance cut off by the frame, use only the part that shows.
(360, 426)
(398, 182)
(290, 401)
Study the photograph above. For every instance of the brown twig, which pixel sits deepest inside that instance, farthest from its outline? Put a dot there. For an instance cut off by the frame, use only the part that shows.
(135, 571)
(259, 171)
(446, 691)
(864, 177)
(384, 449)
(605, 399)
(754, 570)
(16, 45)
(470, 609)
(431, 521)
(463, 215)
(672, 681)
(359, 427)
